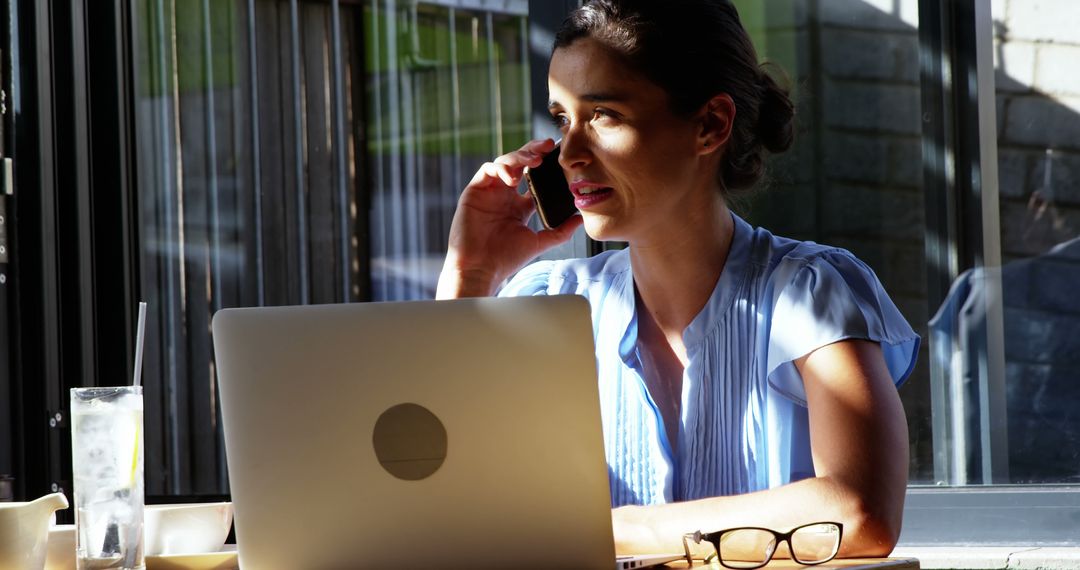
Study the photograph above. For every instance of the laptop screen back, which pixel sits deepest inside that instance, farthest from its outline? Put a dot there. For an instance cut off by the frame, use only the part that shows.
(382, 434)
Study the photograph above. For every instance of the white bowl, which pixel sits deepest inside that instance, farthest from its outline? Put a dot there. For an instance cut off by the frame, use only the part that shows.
(61, 551)
(193, 528)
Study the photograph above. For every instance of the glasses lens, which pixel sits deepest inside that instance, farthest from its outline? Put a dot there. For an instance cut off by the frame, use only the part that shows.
(746, 547)
(816, 543)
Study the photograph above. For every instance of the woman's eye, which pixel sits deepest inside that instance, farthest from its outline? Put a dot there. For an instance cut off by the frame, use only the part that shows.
(603, 114)
(561, 121)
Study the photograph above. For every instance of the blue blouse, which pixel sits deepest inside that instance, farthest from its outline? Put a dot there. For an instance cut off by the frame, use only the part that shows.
(744, 424)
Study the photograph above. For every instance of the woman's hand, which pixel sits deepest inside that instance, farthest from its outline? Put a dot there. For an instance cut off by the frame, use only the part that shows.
(489, 238)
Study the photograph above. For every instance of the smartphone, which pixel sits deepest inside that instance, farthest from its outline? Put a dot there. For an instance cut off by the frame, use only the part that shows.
(550, 192)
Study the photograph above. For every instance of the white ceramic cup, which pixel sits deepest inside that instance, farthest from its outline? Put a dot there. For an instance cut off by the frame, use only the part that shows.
(192, 528)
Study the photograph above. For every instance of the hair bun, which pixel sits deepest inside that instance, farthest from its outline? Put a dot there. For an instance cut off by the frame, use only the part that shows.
(776, 115)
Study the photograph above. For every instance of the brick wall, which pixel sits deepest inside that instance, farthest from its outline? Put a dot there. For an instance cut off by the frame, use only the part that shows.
(1037, 58)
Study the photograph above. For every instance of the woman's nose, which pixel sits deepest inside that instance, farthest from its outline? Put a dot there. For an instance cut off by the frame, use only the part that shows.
(574, 151)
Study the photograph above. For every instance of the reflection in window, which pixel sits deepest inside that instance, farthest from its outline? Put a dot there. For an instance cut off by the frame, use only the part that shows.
(448, 90)
(293, 153)
(1035, 290)
(247, 195)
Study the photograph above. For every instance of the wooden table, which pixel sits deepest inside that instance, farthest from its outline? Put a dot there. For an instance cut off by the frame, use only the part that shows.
(837, 563)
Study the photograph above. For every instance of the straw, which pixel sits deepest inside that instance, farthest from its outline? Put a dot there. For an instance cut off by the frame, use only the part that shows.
(139, 335)
(139, 343)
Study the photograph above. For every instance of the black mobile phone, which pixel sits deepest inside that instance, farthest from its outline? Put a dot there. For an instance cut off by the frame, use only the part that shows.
(550, 192)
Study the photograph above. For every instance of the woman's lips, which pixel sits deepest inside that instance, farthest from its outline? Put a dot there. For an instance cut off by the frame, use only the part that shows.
(588, 193)
(583, 201)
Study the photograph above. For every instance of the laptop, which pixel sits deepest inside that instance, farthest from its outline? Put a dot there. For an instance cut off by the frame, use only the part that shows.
(416, 434)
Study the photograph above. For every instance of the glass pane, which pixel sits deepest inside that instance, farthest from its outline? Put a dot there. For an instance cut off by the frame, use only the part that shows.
(247, 196)
(853, 178)
(1036, 52)
(254, 186)
(447, 92)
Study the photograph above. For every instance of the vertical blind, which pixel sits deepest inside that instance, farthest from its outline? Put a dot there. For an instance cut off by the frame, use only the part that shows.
(448, 91)
(295, 152)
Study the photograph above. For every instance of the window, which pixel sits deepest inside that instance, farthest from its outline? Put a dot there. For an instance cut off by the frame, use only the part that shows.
(448, 90)
(303, 152)
(1003, 364)
(1038, 202)
(246, 194)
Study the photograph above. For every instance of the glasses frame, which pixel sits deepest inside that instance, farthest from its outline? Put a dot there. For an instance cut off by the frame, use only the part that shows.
(714, 539)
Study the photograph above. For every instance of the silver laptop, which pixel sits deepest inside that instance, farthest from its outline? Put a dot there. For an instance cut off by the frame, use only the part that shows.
(427, 433)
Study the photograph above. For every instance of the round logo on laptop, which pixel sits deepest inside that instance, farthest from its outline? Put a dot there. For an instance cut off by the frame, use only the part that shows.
(410, 441)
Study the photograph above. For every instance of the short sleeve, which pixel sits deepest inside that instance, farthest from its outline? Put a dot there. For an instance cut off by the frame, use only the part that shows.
(832, 297)
(530, 281)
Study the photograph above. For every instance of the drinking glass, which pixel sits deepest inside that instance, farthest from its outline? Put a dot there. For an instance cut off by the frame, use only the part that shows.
(107, 466)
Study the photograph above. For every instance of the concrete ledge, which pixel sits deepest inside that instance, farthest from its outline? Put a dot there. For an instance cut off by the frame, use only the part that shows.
(993, 557)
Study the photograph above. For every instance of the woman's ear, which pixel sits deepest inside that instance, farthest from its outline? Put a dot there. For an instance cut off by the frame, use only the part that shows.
(716, 119)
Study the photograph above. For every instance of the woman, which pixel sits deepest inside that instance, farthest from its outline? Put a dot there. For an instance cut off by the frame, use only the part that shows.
(745, 379)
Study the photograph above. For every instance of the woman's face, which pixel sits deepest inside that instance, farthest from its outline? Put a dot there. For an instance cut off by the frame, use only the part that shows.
(633, 165)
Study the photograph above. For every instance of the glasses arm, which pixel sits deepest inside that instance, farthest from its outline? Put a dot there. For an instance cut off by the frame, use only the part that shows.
(696, 537)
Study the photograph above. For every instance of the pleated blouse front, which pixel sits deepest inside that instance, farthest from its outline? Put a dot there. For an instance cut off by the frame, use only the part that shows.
(744, 424)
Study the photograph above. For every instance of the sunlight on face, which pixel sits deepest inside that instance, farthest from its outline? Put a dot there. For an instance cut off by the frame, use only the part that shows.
(632, 163)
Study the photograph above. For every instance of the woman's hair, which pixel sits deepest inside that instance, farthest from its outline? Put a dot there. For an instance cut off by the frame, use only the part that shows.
(695, 50)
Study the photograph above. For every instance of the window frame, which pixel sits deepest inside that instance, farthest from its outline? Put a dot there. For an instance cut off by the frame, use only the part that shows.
(1029, 515)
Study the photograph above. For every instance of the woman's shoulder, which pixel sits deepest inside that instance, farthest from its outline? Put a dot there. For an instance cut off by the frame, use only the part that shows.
(819, 294)
(568, 275)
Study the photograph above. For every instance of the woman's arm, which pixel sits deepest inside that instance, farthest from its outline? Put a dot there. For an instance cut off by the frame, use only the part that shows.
(860, 448)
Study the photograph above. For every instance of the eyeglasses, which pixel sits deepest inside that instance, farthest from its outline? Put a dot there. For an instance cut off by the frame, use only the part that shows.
(745, 548)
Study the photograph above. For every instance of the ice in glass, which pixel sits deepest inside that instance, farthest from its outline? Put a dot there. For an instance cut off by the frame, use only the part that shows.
(107, 465)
